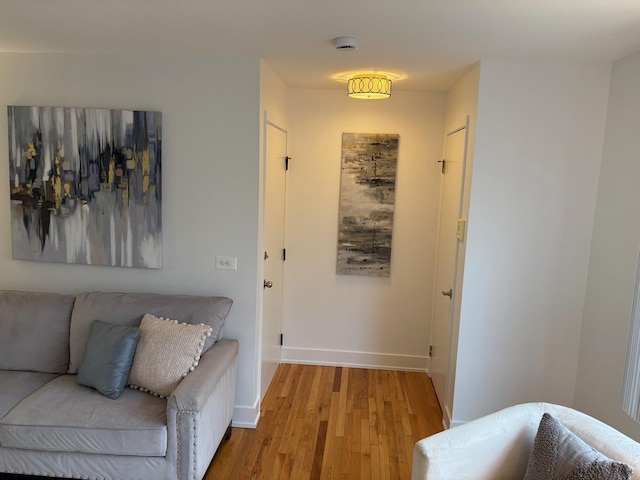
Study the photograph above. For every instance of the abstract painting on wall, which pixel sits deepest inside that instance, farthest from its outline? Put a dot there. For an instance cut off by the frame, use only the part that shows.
(85, 185)
(367, 195)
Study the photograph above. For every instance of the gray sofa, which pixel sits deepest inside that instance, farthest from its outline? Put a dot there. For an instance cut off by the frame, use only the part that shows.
(51, 426)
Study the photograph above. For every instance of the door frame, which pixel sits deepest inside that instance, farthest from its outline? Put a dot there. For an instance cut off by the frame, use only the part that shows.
(267, 122)
(457, 272)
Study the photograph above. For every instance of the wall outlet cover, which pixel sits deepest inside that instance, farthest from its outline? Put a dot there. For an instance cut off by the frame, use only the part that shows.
(226, 263)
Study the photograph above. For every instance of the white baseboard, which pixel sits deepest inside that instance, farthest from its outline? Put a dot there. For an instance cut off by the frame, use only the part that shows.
(455, 423)
(246, 416)
(343, 358)
(446, 418)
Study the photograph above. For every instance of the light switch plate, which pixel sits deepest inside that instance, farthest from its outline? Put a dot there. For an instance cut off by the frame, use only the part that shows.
(462, 226)
(226, 263)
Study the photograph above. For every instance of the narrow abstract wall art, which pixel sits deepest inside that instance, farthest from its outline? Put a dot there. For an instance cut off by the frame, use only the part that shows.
(85, 185)
(367, 196)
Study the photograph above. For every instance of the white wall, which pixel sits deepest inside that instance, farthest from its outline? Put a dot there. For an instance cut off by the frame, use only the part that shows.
(210, 178)
(539, 138)
(357, 320)
(462, 101)
(614, 256)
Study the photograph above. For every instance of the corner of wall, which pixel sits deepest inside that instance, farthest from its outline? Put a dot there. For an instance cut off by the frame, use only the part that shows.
(246, 416)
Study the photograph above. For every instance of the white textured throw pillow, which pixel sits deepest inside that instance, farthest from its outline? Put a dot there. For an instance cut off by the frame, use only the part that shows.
(167, 351)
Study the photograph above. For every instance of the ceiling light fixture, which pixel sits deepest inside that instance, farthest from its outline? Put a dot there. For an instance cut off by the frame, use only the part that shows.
(369, 86)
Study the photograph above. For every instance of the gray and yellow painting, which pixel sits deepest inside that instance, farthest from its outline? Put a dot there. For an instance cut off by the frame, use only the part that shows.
(85, 185)
(367, 195)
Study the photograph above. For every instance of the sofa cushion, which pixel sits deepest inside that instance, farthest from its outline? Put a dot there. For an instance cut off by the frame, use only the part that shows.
(559, 454)
(167, 352)
(107, 358)
(128, 309)
(15, 386)
(34, 331)
(63, 416)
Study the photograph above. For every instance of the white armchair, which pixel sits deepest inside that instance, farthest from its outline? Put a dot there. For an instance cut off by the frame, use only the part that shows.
(498, 446)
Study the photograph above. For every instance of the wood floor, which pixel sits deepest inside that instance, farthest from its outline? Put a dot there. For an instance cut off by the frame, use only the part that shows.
(333, 423)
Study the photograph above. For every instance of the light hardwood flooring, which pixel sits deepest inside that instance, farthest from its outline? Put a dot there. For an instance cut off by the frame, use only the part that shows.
(333, 423)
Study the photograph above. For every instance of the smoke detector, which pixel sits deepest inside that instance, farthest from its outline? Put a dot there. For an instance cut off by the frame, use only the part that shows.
(346, 43)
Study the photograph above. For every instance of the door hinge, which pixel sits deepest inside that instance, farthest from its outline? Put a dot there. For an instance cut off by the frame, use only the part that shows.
(284, 254)
(286, 162)
(281, 339)
(430, 350)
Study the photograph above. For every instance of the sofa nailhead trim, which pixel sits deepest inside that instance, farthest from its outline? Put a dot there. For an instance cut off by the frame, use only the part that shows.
(195, 447)
(194, 434)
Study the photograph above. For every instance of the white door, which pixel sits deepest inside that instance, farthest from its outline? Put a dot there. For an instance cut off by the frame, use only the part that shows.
(446, 259)
(275, 196)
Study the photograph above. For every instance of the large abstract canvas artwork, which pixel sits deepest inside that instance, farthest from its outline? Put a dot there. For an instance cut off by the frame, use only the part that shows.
(85, 186)
(367, 195)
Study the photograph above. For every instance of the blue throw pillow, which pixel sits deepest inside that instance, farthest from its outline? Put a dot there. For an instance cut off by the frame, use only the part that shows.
(108, 356)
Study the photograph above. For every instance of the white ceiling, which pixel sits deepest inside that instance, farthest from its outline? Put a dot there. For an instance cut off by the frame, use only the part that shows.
(429, 42)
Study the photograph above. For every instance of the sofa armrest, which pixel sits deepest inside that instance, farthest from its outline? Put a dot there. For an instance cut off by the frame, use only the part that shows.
(200, 410)
(496, 446)
(194, 390)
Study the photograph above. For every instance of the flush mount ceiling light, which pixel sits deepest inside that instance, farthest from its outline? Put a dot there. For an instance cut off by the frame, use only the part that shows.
(369, 86)
(366, 86)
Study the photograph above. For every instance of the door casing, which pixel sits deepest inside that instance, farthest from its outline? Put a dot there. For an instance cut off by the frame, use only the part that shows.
(275, 188)
(451, 233)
